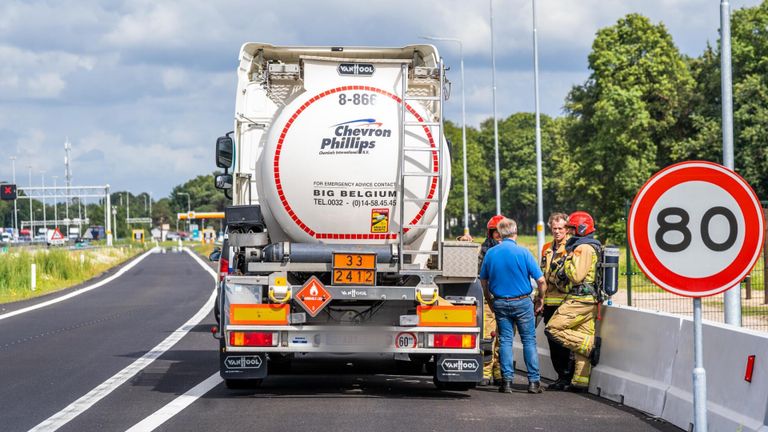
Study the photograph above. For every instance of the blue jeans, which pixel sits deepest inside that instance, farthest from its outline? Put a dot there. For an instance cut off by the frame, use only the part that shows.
(508, 314)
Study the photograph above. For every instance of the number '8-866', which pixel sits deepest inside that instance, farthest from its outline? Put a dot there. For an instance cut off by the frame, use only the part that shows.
(357, 99)
(679, 223)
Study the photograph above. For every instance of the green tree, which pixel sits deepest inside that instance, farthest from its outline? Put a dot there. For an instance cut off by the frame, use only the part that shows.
(628, 116)
(477, 180)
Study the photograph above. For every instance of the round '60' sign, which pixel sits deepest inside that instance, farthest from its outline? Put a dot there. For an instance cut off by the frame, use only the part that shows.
(696, 228)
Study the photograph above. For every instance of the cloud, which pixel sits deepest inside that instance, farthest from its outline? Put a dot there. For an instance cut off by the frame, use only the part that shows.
(142, 88)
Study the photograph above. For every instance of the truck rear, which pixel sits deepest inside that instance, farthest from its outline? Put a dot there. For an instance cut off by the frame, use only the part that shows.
(339, 172)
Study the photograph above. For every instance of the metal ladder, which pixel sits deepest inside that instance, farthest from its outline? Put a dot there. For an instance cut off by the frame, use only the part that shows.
(436, 128)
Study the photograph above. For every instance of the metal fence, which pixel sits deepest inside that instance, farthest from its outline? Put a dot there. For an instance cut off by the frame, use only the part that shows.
(636, 290)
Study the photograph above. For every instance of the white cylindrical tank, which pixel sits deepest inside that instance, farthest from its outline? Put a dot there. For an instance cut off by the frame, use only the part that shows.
(329, 167)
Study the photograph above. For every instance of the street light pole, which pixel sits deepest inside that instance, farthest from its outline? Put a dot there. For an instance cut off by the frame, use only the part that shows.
(539, 177)
(31, 213)
(56, 202)
(463, 124)
(45, 218)
(15, 209)
(732, 297)
(495, 119)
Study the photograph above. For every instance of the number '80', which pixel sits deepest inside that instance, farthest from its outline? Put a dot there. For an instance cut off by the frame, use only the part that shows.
(681, 226)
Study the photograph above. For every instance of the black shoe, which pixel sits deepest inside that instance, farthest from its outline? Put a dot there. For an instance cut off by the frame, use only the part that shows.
(505, 387)
(576, 389)
(497, 381)
(594, 356)
(558, 385)
(535, 387)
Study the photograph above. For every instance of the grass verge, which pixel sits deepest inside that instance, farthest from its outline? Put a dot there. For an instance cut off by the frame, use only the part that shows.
(57, 269)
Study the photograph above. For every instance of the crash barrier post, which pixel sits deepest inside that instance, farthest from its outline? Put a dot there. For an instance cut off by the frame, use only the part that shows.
(733, 403)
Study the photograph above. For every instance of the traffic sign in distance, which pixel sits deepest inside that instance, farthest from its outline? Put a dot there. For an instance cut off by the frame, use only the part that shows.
(7, 192)
(696, 228)
(313, 296)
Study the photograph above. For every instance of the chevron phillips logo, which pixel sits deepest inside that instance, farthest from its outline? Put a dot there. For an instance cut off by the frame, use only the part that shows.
(313, 296)
(354, 137)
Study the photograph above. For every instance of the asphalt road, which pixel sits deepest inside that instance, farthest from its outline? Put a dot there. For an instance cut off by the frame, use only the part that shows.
(53, 356)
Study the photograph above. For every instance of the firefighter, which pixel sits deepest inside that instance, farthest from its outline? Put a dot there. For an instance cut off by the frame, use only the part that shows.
(491, 366)
(573, 323)
(552, 259)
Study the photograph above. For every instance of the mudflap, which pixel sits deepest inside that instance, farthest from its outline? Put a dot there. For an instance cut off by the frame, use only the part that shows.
(242, 366)
(459, 368)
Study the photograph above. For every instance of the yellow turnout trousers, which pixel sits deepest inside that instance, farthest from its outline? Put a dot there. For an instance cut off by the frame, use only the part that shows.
(573, 326)
(491, 366)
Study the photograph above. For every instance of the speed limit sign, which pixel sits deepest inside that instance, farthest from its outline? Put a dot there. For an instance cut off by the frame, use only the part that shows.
(696, 229)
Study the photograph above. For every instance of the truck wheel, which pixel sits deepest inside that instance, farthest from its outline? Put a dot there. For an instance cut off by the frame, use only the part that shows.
(280, 364)
(216, 312)
(411, 367)
(242, 384)
(454, 386)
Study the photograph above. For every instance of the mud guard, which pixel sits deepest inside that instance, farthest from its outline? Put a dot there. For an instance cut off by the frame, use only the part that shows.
(456, 368)
(242, 366)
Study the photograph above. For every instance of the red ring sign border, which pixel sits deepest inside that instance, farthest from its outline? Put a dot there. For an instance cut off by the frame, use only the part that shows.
(674, 175)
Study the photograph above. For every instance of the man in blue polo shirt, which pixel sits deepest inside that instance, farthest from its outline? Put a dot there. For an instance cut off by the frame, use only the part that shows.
(506, 276)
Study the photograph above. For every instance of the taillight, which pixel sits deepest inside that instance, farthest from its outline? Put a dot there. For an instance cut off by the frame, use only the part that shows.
(451, 340)
(223, 268)
(257, 339)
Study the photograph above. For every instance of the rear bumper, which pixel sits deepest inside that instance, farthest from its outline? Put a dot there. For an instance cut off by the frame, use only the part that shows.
(352, 339)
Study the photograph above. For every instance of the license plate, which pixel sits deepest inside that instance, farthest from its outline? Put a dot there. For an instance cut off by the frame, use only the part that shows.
(350, 339)
(354, 261)
(354, 277)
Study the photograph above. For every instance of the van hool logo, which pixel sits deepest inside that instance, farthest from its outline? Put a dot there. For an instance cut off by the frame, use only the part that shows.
(243, 362)
(354, 136)
(364, 69)
(459, 365)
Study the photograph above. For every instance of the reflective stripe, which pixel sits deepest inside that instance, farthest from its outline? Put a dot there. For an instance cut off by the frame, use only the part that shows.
(585, 345)
(553, 301)
(577, 379)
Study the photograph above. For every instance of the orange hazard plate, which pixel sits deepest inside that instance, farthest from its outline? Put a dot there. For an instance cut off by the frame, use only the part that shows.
(354, 261)
(354, 277)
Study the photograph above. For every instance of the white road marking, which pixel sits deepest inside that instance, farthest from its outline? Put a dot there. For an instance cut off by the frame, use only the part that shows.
(102, 390)
(177, 405)
(75, 293)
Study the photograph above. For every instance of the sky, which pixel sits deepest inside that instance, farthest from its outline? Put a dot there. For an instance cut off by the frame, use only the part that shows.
(142, 88)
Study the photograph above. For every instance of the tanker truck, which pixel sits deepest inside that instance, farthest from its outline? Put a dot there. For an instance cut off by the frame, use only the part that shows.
(339, 171)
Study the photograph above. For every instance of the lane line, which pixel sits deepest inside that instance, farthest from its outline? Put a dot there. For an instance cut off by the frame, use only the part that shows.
(84, 290)
(102, 390)
(177, 405)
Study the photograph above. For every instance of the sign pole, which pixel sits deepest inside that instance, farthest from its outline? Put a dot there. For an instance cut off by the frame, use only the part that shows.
(699, 374)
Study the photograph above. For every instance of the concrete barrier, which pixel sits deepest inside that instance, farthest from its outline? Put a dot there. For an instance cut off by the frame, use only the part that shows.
(646, 363)
(636, 359)
(733, 404)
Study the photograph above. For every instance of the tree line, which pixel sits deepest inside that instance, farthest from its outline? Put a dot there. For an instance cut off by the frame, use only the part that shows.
(644, 106)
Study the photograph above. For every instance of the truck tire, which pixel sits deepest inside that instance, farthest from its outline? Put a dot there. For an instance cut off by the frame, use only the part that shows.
(280, 364)
(242, 384)
(455, 386)
(216, 311)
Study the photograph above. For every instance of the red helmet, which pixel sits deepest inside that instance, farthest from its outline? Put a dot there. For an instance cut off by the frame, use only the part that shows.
(492, 222)
(582, 222)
